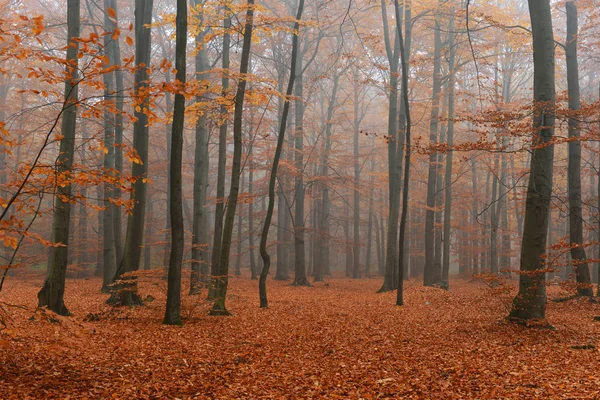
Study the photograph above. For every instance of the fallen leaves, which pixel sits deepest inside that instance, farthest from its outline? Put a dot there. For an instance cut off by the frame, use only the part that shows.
(342, 341)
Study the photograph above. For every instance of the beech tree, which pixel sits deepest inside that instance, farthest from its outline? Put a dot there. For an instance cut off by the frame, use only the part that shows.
(232, 200)
(52, 293)
(126, 293)
(530, 302)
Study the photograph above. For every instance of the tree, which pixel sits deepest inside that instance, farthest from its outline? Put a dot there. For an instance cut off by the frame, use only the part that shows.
(110, 260)
(262, 283)
(393, 57)
(530, 302)
(580, 265)
(52, 293)
(407, 150)
(232, 200)
(201, 165)
(173, 309)
(221, 163)
(431, 275)
(126, 292)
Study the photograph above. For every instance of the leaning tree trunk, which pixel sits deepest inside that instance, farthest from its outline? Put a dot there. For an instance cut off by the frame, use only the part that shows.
(52, 293)
(530, 302)
(578, 256)
(126, 292)
(262, 283)
(236, 167)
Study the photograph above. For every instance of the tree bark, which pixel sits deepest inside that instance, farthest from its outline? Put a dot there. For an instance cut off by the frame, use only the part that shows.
(449, 154)
(199, 270)
(578, 256)
(530, 302)
(110, 260)
(431, 276)
(52, 293)
(221, 165)
(126, 293)
(173, 308)
(223, 270)
(262, 283)
(393, 56)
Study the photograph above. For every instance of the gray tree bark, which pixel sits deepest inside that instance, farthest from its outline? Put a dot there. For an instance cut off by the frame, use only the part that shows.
(52, 293)
(530, 302)
(126, 293)
(578, 256)
(232, 200)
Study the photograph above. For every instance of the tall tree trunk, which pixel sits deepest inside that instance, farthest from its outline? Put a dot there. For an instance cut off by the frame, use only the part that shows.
(370, 223)
(530, 302)
(253, 268)
(199, 267)
(126, 293)
(223, 270)
(407, 149)
(431, 277)
(110, 260)
(52, 293)
(393, 56)
(119, 103)
(240, 233)
(356, 220)
(173, 308)
(262, 283)
(450, 143)
(221, 165)
(300, 256)
(578, 256)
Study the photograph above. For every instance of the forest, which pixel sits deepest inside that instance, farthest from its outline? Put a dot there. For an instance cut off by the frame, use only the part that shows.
(299, 199)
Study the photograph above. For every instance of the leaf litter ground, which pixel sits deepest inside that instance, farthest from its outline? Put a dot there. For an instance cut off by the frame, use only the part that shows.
(333, 340)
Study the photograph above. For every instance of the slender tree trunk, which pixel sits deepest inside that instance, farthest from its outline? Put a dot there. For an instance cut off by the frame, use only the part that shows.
(450, 143)
(173, 308)
(238, 258)
(370, 224)
(119, 103)
(356, 221)
(199, 267)
(300, 256)
(253, 268)
(431, 276)
(126, 293)
(262, 283)
(223, 271)
(393, 56)
(52, 293)
(530, 302)
(407, 149)
(110, 260)
(578, 256)
(221, 166)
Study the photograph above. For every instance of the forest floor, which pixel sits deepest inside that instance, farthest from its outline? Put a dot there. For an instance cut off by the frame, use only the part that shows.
(333, 340)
